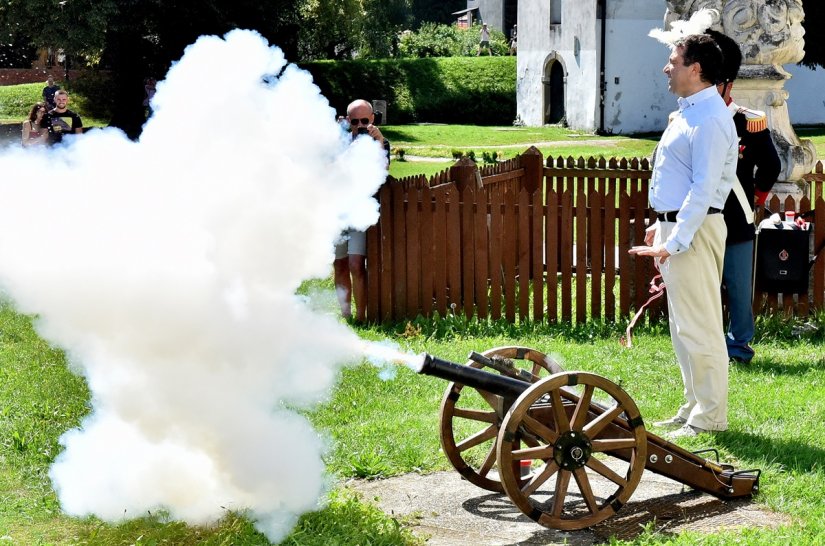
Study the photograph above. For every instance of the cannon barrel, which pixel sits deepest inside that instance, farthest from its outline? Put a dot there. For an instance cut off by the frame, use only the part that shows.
(473, 377)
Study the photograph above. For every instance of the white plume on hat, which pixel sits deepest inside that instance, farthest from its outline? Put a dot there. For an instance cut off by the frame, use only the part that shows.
(698, 23)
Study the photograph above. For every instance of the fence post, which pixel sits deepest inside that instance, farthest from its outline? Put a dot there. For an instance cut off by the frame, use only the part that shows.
(464, 174)
(533, 164)
(467, 179)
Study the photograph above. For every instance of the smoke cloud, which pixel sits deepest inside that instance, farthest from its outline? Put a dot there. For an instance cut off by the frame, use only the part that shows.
(167, 270)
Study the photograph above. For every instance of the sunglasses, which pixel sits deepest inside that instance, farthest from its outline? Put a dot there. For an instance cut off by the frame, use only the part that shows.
(362, 121)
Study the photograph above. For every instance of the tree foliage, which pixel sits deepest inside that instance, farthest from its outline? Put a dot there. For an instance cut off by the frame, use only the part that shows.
(435, 11)
(134, 39)
(814, 47)
(432, 40)
(344, 29)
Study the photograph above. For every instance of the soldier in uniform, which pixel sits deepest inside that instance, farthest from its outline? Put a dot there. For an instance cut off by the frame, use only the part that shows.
(756, 170)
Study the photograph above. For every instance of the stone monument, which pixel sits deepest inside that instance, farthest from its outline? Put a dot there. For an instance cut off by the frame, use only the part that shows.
(770, 34)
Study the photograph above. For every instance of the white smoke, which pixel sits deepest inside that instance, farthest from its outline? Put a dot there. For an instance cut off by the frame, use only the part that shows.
(167, 270)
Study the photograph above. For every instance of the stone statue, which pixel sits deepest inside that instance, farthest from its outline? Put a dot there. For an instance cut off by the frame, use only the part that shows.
(770, 34)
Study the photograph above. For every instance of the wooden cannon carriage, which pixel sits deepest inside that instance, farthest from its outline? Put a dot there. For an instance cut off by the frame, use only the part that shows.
(525, 427)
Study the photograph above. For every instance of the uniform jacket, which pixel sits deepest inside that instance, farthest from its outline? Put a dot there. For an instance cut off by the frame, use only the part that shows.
(758, 167)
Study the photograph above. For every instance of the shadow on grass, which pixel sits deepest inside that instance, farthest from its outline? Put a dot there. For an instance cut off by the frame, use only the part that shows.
(771, 367)
(663, 514)
(793, 455)
(398, 135)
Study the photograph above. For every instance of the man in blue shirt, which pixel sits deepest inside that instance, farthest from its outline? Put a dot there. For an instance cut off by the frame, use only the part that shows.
(694, 170)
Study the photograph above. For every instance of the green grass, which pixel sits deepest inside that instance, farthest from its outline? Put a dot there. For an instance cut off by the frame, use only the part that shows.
(17, 100)
(429, 141)
(388, 426)
(400, 169)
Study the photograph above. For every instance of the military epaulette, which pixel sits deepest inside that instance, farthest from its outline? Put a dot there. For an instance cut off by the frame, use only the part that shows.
(756, 120)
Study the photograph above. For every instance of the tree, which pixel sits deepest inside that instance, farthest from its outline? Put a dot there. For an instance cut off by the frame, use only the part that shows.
(329, 29)
(814, 47)
(435, 11)
(343, 29)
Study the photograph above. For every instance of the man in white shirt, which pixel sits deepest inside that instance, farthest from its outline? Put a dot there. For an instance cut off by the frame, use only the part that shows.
(694, 170)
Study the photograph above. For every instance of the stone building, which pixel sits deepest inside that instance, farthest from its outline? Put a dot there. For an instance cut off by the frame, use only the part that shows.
(590, 64)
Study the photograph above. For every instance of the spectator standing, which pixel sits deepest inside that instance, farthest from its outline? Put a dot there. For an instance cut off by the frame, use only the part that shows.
(49, 91)
(35, 132)
(350, 265)
(149, 92)
(60, 120)
(756, 171)
(513, 41)
(484, 40)
(694, 170)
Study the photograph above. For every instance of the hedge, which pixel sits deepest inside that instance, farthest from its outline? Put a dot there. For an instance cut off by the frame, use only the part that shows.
(462, 90)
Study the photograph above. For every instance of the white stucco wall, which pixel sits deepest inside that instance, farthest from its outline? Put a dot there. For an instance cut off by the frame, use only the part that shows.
(806, 98)
(492, 12)
(533, 48)
(640, 101)
(538, 40)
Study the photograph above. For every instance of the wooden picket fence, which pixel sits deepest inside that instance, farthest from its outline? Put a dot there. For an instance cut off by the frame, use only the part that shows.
(525, 240)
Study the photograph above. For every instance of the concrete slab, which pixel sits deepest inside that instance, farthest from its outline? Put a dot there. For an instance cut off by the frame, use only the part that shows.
(450, 511)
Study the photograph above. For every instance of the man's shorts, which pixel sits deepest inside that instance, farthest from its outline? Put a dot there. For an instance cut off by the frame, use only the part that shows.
(352, 241)
(484, 43)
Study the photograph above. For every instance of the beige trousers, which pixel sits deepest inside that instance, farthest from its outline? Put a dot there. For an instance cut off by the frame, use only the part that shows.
(693, 279)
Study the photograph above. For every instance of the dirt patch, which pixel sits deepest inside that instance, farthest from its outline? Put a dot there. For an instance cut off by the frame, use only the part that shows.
(453, 512)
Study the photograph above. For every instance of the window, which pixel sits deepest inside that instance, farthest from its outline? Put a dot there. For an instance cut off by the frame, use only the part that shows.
(555, 12)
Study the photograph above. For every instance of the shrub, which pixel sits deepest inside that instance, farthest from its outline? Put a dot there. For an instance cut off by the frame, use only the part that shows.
(434, 40)
(464, 90)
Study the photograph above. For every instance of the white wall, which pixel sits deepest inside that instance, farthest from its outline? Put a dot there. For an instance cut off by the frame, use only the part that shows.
(806, 95)
(538, 40)
(640, 101)
(492, 12)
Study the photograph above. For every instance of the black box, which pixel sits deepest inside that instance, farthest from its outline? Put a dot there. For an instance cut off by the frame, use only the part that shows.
(782, 260)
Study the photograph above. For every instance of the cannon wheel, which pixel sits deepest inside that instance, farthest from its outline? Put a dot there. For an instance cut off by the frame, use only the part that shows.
(560, 412)
(484, 417)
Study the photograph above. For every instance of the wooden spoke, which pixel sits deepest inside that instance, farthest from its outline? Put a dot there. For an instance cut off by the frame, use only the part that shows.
(562, 483)
(586, 490)
(469, 417)
(489, 461)
(478, 438)
(542, 452)
(562, 422)
(571, 443)
(613, 445)
(538, 480)
(492, 400)
(594, 427)
(475, 415)
(542, 431)
(580, 414)
(598, 466)
(530, 440)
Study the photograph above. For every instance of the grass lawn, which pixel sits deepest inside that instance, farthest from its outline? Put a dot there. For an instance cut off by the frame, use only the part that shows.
(17, 100)
(441, 141)
(383, 427)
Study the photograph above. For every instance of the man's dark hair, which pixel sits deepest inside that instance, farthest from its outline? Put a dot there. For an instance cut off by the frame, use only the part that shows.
(702, 49)
(731, 53)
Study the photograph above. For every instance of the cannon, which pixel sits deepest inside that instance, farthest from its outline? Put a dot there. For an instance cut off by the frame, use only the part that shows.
(513, 421)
